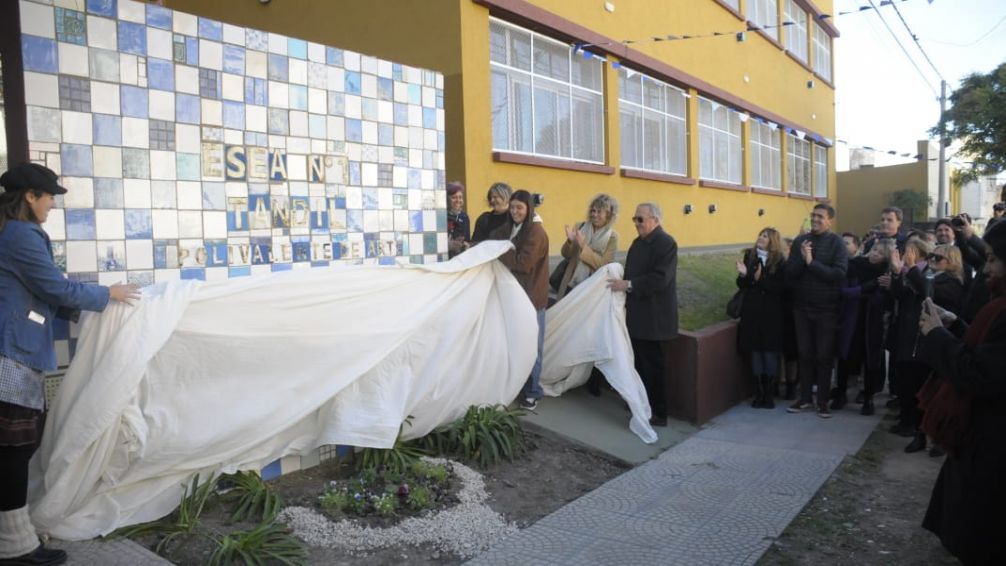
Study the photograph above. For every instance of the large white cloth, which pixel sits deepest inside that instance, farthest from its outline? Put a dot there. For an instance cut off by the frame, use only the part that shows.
(585, 329)
(227, 376)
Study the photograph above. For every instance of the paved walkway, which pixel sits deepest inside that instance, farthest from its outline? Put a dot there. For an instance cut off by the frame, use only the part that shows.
(118, 552)
(720, 497)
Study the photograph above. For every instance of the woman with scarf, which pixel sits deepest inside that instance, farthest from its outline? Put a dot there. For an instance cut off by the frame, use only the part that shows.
(590, 244)
(966, 414)
(459, 226)
(760, 332)
(489, 222)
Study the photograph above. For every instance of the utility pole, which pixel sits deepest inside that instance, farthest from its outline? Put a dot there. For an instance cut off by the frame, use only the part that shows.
(941, 202)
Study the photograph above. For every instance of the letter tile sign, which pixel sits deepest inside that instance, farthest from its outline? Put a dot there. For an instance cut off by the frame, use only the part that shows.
(196, 149)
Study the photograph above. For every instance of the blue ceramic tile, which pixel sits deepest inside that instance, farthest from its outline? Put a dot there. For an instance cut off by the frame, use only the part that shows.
(430, 118)
(301, 249)
(211, 29)
(132, 38)
(441, 220)
(354, 220)
(107, 129)
(352, 82)
(371, 244)
(317, 125)
(178, 48)
(279, 68)
(401, 114)
(336, 103)
(320, 263)
(243, 271)
(107, 193)
(187, 166)
(237, 220)
(191, 51)
(440, 99)
(80, 224)
(415, 94)
(138, 224)
(234, 59)
(386, 261)
(298, 97)
(102, 7)
(354, 173)
(108, 260)
(416, 221)
(256, 39)
(370, 199)
(135, 163)
(234, 115)
(76, 160)
(414, 179)
(210, 84)
(354, 130)
(255, 91)
(279, 267)
(333, 56)
(396, 71)
(158, 16)
(296, 48)
(385, 134)
(340, 203)
(197, 273)
(187, 108)
(279, 121)
(319, 221)
(71, 26)
(214, 196)
(38, 54)
(441, 142)
(161, 74)
(134, 101)
(216, 253)
(160, 255)
(369, 109)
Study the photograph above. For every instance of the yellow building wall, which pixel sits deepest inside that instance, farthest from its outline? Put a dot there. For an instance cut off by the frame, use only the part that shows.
(452, 37)
(863, 193)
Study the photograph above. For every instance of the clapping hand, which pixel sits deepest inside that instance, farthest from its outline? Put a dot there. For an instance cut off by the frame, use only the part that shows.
(933, 316)
(742, 269)
(897, 264)
(807, 249)
(571, 233)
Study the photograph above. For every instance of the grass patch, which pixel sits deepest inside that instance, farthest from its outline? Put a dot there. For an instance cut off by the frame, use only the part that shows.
(705, 284)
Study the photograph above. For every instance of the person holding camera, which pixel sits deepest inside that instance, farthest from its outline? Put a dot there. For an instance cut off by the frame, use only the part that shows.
(889, 227)
(998, 212)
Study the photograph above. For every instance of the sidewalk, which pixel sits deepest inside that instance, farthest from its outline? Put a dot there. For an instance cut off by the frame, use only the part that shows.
(118, 552)
(719, 497)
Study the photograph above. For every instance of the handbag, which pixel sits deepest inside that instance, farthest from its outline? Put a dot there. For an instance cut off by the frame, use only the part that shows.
(555, 279)
(735, 304)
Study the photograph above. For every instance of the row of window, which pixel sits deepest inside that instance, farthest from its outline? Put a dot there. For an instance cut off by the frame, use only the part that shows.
(548, 99)
(793, 29)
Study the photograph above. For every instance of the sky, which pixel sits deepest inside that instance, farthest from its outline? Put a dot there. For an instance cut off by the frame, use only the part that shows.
(881, 100)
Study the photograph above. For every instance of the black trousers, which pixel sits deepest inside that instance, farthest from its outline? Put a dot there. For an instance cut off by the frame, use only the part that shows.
(14, 476)
(649, 356)
(911, 376)
(815, 341)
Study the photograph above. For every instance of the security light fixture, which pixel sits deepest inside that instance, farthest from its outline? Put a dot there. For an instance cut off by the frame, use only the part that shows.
(712, 208)
(688, 209)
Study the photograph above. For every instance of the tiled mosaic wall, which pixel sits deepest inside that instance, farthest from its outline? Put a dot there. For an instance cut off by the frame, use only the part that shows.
(195, 149)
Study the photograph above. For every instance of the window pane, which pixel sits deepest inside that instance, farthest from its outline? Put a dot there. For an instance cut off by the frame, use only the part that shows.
(551, 118)
(551, 59)
(587, 72)
(631, 121)
(654, 149)
(653, 95)
(706, 168)
(511, 110)
(497, 43)
(675, 103)
(500, 109)
(677, 143)
(588, 126)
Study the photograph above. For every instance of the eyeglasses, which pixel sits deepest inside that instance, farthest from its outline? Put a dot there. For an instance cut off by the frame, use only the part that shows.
(638, 219)
(936, 257)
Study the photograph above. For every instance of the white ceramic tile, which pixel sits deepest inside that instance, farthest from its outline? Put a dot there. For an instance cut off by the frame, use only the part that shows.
(298, 123)
(385, 112)
(351, 60)
(336, 79)
(429, 97)
(55, 224)
(41, 89)
(429, 139)
(234, 137)
(102, 32)
(105, 98)
(190, 195)
(369, 132)
(298, 72)
(256, 64)
(317, 101)
(128, 72)
(384, 68)
(44, 124)
(233, 87)
(109, 224)
(167, 275)
(211, 54)
(81, 256)
(401, 220)
(136, 132)
(212, 112)
(315, 52)
(216, 274)
(277, 43)
(187, 79)
(37, 19)
(256, 118)
(190, 224)
(368, 64)
(140, 254)
(107, 162)
(162, 165)
(165, 224)
(163, 194)
(185, 23)
(132, 11)
(354, 106)
(79, 192)
(187, 138)
(162, 105)
(368, 86)
(214, 224)
(279, 95)
(415, 116)
(136, 193)
(73, 59)
(401, 92)
(159, 43)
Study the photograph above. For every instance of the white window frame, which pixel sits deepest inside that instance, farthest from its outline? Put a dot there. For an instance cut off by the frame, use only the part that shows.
(766, 156)
(822, 53)
(636, 151)
(820, 171)
(521, 110)
(765, 15)
(795, 33)
(714, 140)
(798, 164)
(735, 4)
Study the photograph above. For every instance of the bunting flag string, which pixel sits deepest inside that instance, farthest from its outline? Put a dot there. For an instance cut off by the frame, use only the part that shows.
(907, 155)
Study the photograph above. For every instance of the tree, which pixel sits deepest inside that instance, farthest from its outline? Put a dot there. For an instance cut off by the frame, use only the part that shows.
(977, 116)
(910, 202)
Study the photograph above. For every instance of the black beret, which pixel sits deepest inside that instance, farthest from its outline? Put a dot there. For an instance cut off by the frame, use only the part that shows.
(995, 237)
(24, 176)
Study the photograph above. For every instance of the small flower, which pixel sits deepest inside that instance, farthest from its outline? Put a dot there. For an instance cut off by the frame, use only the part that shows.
(403, 490)
(357, 496)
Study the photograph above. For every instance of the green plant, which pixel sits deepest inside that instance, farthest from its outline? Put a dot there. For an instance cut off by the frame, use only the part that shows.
(184, 521)
(386, 505)
(420, 497)
(345, 500)
(911, 202)
(433, 472)
(394, 460)
(489, 433)
(255, 498)
(267, 543)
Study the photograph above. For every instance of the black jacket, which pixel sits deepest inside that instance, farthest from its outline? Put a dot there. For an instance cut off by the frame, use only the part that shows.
(651, 307)
(910, 291)
(760, 328)
(817, 286)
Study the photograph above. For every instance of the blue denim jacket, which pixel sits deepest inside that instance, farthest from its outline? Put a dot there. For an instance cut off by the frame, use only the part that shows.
(32, 289)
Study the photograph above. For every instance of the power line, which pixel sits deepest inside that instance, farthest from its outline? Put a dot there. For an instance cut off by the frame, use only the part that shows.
(898, 41)
(915, 38)
(975, 42)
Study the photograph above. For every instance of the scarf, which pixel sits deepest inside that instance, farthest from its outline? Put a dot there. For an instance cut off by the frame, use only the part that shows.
(597, 240)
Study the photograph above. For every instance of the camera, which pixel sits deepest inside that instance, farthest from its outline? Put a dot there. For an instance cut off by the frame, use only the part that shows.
(957, 222)
(537, 199)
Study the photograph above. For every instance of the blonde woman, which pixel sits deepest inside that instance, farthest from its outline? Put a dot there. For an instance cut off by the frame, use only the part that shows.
(760, 333)
(591, 244)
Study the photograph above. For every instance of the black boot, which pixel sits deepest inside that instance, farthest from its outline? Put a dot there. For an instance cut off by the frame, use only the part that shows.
(759, 391)
(769, 387)
(838, 400)
(917, 444)
(594, 383)
(790, 391)
(867, 408)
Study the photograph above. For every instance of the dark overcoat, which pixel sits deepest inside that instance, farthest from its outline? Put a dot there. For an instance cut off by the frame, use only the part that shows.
(761, 325)
(651, 307)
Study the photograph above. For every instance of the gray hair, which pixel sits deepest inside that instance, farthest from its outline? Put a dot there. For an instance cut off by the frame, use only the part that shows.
(654, 210)
(605, 202)
(500, 189)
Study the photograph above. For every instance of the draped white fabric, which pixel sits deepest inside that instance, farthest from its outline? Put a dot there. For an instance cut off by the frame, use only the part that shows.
(585, 329)
(220, 377)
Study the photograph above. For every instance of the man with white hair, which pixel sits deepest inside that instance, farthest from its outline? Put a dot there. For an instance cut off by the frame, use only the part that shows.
(651, 303)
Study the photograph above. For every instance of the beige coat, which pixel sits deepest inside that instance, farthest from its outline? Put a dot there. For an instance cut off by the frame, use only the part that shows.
(593, 260)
